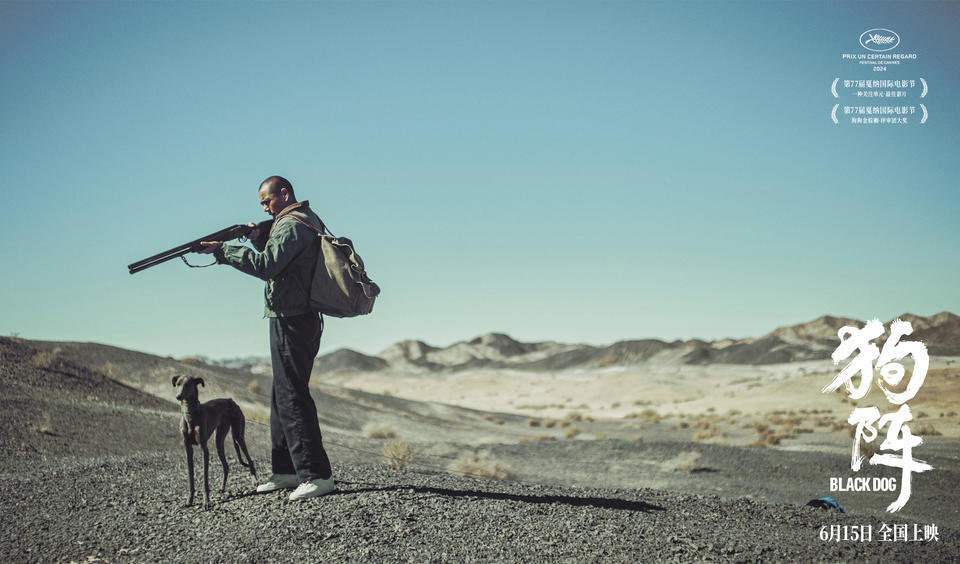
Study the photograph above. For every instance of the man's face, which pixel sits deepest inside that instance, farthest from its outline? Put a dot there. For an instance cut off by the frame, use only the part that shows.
(273, 202)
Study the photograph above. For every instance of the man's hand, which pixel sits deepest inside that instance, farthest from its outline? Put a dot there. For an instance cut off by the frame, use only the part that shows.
(207, 247)
(252, 236)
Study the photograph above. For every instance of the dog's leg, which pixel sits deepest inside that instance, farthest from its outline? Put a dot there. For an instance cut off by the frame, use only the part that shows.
(189, 449)
(221, 435)
(206, 474)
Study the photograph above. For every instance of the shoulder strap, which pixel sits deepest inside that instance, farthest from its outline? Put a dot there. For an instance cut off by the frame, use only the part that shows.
(302, 219)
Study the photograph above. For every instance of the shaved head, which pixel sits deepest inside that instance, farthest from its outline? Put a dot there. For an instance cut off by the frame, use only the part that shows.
(276, 193)
(275, 183)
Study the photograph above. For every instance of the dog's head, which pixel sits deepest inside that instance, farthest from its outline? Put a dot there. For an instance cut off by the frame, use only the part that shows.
(186, 386)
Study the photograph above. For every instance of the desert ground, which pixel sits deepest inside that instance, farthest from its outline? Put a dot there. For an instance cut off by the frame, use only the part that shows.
(661, 463)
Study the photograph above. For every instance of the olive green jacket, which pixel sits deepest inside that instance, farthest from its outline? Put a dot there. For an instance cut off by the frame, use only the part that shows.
(286, 261)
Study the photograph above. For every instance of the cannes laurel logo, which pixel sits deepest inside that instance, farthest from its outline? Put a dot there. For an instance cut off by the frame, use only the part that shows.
(879, 39)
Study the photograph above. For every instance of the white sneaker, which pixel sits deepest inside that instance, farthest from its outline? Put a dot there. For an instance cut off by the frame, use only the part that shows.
(279, 482)
(313, 488)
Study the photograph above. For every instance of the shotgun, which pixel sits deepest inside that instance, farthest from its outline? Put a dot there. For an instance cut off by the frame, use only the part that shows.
(227, 234)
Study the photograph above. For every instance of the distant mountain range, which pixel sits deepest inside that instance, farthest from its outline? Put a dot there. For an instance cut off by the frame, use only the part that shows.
(814, 340)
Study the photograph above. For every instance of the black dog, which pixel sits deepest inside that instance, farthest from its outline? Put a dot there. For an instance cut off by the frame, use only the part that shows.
(198, 421)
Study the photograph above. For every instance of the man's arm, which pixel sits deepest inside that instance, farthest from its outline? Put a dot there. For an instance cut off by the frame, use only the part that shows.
(288, 240)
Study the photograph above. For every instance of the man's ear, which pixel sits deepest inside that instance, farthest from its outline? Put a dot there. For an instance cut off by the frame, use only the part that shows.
(200, 381)
(174, 380)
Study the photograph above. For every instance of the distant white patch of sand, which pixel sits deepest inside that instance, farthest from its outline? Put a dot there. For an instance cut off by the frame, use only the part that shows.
(614, 393)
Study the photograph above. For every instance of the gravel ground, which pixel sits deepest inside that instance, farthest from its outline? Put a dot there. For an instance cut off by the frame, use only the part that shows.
(129, 508)
(92, 470)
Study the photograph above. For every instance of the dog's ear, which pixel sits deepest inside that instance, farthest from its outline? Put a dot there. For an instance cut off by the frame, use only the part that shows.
(200, 381)
(174, 380)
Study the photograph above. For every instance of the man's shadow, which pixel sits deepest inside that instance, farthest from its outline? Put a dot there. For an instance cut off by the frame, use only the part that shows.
(599, 502)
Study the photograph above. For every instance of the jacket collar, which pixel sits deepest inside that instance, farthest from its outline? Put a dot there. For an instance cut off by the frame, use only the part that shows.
(291, 208)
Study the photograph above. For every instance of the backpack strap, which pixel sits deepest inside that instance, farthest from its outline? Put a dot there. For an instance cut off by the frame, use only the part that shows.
(302, 219)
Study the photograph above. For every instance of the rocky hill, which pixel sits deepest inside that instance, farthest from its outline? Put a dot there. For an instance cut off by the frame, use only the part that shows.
(813, 340)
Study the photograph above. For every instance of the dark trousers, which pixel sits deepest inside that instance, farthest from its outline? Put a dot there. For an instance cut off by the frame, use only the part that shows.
(297, 446)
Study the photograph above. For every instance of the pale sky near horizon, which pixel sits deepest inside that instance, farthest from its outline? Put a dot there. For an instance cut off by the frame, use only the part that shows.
(573, 171)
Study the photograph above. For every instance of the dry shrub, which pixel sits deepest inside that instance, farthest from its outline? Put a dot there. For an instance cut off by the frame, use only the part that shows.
(489, 417)
(479, 464)
(638, 438)
(399, 453)
(686, 461)
(549, 423)
(539, 438)
(46, 424)
(533, 422)
(600, 435)
(682, 425)
(45, 359)
(107, 369)
(766, 435)
(927, 430)
(647, 415)
(378, 431)
(254, 386)
(704, 436)
(572, 432)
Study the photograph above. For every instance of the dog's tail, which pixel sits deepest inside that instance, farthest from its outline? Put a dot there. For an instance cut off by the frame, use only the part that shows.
(239, 426)
(236, 445)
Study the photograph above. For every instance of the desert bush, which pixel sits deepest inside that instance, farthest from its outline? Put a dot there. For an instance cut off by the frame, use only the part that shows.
(533, 422)
(479, 464)
(539, 438)
(686, 461)
(767, 435)
(107, 369)
(46, 424)
(647, 415)
(254, 386)
(927, 430)
(600, 435)
(549, 423)
(398, 453)
(45, 359)
(572, 432)
(638, 437)
(706, 435)
(378, 431)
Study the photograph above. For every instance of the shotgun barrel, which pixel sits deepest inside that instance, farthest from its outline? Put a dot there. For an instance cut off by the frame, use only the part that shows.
(226, 234)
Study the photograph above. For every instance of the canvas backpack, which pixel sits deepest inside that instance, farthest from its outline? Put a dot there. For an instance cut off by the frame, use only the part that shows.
(340, 285)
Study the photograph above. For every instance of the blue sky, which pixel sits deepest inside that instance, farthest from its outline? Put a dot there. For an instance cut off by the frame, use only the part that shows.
(575, 171)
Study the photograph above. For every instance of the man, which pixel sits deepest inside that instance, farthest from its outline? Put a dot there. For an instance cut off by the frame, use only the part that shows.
(286, 262)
